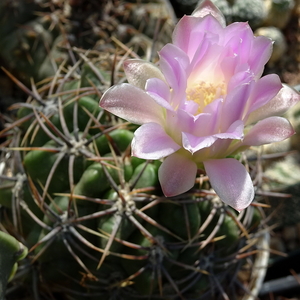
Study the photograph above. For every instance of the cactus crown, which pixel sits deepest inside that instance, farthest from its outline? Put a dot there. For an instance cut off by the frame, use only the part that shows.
(92, 216)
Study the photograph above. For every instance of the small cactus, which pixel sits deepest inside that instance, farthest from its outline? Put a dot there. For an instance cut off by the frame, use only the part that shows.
(11, 251)
(36, 36)
(279, 12)
(94, 218)
(253, 12)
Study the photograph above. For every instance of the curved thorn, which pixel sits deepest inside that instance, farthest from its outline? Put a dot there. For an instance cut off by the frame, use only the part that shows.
(173, 284)
(116, 226)
(156, 224)
(76, 257)
(46, 130)
(139, 176)
(51, 174)
(146, 232)
(48, 237)
(23, 87)
(96, 215)
(63, 123)
(215, 230)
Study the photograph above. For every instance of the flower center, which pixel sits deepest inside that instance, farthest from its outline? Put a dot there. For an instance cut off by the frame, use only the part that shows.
(204, 93)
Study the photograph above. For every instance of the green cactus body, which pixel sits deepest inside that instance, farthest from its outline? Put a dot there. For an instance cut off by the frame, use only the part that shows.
(153, 258)
(145, 175)
(98, 225)
(93, 181)
(188, 217)
(11, 251)
(86, 105)
(120, 138)
(98, 217)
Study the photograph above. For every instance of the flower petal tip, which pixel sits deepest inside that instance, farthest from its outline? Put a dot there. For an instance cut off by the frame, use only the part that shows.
(177, 175)
(231, 181)
(207, 7)
(139, 71)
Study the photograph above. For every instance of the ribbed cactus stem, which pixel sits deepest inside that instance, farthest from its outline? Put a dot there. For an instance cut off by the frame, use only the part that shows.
(10, 252)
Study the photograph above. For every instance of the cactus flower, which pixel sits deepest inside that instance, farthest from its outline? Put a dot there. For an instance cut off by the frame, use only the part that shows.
(205, 102)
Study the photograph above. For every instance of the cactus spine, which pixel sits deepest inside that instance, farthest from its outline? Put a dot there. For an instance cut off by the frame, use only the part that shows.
(94, 218)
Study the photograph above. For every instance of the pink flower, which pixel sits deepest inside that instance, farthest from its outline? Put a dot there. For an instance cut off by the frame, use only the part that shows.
(205, 102)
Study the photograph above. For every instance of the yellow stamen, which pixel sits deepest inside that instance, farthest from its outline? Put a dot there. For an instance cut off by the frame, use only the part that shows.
(204, 93)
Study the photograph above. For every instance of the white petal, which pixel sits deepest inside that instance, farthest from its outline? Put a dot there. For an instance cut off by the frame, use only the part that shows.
(285, 99)
(132, 104)
(151, 142)
(231, 181)
(177, 175)
(207, 7)
(269, 130)
(193, 143)
(139, 71)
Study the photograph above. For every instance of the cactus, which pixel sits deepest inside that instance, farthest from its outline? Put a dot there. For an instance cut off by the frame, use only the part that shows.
(11, 251)
(94, 218)
(35, 35)
(253, 12)
(279, 12)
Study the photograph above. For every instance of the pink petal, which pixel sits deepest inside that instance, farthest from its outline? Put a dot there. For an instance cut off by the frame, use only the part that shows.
(260, 54)
(234, 132)
(159, 91)
(200, 53)
(266, 88)
(139, 71)
(206, 62)
(151, 142)
(177, 174)
(239, 38)
(270, 130)
(182, 32)
(193, 143)
(207, 7)
(190, 32)
(231, 182)
(235, 104)
(132, 104)
(285, 99)
(158, 87)
(174, 64)
(214, 109)
(174, 56)
(239, 78)
(174, 124)
(228, 66)
(190, 107)
(193, 126)
(202, 124)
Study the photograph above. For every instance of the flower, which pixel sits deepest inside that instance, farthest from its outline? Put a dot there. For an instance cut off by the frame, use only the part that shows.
(204, 103)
